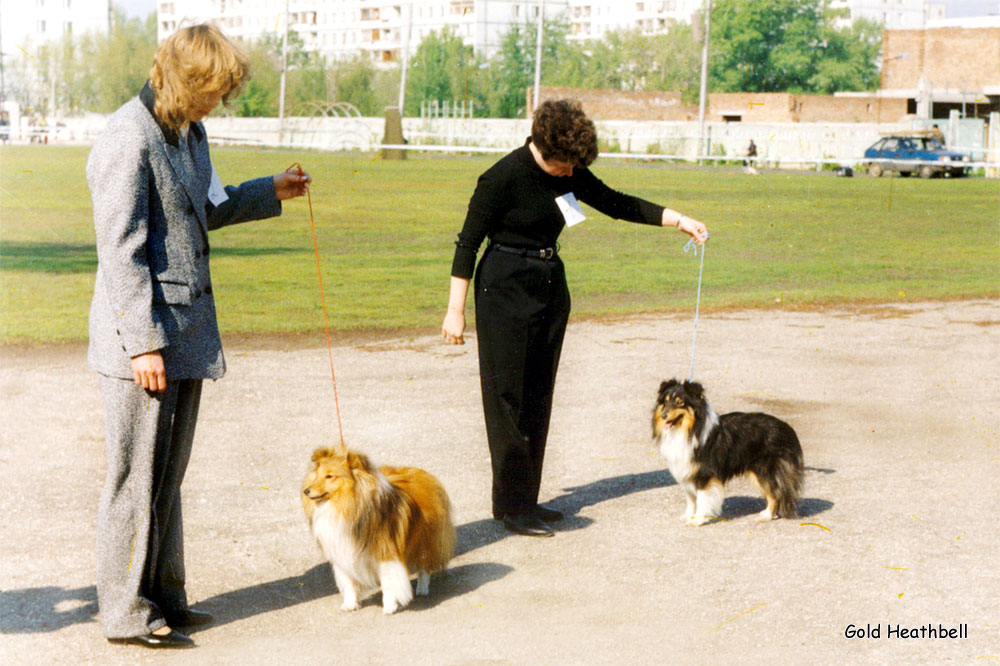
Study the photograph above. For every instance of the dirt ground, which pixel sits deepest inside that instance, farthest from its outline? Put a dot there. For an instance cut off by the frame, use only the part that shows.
(896, 407)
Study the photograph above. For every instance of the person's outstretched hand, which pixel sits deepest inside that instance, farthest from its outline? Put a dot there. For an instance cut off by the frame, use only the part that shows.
(291, 184)
(693, 228)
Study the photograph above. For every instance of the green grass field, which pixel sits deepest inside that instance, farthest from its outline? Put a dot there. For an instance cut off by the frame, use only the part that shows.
(386, 231)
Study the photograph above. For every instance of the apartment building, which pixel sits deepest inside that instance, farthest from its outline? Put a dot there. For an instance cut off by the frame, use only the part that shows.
(592, 19)
(377, 29)
(27, 24)
(891, 14)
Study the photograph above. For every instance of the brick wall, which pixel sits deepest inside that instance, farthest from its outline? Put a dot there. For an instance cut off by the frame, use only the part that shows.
(620, 104)
(751, 107)
(786, 107)
(748, 107)
(949, 57)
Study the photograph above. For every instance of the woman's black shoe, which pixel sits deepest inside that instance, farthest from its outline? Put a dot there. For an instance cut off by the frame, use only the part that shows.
(527, 525)
(174, 639)
(188, 617)
(547, 515)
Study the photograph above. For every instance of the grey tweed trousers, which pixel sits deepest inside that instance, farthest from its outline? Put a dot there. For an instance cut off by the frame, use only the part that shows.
(140, 551)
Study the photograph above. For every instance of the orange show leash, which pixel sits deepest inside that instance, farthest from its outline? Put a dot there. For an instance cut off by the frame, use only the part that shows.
(322, 298)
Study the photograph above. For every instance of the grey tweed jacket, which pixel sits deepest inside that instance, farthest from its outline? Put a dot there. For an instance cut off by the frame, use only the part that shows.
(152, 216)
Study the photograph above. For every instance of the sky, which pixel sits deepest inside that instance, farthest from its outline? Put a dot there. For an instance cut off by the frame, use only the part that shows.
(956, 8)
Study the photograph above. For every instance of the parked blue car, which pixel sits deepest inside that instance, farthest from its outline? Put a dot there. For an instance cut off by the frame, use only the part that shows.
(914, 154)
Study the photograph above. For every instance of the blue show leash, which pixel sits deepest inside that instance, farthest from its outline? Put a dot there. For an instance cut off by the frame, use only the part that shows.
(692, 245)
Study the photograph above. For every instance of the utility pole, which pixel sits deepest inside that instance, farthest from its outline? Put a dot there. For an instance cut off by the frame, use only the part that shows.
(284, 72)
(406, 58)
(3, 85)
(538, 52)
(703, 95)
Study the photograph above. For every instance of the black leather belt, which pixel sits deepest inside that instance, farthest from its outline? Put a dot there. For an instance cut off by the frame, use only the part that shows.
(534, 252)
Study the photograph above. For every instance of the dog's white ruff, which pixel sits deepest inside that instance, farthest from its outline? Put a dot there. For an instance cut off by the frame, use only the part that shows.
(701, 506)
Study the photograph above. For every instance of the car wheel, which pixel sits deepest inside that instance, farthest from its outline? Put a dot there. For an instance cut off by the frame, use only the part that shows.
(926, 171)
(875, 170)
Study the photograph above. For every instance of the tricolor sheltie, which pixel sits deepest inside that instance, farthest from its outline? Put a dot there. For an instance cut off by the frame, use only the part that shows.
(705, 450)
(377, 525)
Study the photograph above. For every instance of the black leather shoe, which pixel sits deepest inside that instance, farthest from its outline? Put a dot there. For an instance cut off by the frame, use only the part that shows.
(187, 617)
(547, 515)
(174, 639)
(527, 525)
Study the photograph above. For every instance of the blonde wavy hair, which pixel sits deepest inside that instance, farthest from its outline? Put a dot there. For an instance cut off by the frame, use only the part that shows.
(192, 66)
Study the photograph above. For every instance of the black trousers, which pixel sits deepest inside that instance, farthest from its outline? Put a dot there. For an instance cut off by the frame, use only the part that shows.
(522, 306)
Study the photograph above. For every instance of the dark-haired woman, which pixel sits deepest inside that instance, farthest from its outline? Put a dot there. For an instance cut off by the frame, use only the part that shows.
(521, 204)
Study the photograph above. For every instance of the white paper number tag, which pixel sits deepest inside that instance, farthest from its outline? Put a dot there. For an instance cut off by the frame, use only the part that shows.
(570, 208)
(216, 192)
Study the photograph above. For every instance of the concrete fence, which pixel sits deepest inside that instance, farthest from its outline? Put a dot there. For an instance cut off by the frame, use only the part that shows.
(779, 145)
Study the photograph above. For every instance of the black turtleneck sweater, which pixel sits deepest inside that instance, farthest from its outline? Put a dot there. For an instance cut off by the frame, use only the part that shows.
(515, 204)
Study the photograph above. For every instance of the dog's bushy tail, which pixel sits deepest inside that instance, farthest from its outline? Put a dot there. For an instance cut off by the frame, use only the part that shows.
(788, 481)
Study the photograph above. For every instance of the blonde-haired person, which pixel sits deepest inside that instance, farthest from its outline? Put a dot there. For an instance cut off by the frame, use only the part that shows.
(153, 330)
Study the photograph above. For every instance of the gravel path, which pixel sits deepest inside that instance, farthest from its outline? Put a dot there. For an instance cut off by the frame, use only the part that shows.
(896, 407)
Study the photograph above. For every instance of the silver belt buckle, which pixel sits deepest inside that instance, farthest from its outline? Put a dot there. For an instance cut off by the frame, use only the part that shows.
(547, 252)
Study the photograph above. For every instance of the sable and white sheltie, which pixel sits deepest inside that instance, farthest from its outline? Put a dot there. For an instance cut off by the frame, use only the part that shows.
(377, 525)
(705, 450)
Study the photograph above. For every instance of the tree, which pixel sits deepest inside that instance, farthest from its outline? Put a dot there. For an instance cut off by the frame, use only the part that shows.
(849, 58)
(96, 72)
(259, 96)
(354, 82)
(629, 60)
(764, 45)
(512, 68)
(789, 46)
(443, 68)
(123, 60)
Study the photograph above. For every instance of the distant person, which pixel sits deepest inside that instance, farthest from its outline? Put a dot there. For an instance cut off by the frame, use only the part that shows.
(153, 331)
(520, 206)
(33, 136)
(937, 134)
(749, 162)
(4, 127)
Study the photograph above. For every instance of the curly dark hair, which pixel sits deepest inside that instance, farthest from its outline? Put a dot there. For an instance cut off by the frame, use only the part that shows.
(562, 131)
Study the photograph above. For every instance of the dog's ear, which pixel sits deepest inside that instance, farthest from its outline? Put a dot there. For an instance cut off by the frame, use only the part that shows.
(695, 390)
(667, 385)
(319, 454)
(356, 460)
